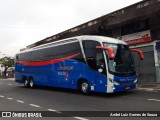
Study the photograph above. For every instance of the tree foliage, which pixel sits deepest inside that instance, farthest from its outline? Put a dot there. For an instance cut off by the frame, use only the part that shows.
(6, 62)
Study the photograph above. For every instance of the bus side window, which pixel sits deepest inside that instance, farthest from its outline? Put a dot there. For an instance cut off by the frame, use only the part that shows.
(90, 51)
(100, 63)
(95, 59)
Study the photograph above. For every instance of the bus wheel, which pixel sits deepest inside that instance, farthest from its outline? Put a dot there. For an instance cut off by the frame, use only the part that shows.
(26, 83)
(84, 87)
(31, 83)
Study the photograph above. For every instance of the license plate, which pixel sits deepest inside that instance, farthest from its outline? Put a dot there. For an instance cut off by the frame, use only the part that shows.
(128, 88)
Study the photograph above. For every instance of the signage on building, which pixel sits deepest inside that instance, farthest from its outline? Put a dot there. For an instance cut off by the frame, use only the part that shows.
(137, 38)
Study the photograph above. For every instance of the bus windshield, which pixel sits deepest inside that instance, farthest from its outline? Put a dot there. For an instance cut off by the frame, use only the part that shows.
(123, 63)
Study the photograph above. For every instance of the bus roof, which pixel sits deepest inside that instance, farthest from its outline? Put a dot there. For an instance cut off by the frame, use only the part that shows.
(78, 38)
(103, 39)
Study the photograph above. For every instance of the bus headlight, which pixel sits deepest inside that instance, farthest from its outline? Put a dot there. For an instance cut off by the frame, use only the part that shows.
(135, 81)
(114, 82)
(110, 80)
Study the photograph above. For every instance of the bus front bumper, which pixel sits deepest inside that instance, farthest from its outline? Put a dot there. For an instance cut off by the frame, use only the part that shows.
(127, 87)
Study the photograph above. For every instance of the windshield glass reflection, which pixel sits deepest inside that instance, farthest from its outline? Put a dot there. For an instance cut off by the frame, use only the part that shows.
(123, 63)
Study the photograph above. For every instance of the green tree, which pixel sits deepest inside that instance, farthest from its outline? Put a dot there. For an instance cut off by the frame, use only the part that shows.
(6, 62)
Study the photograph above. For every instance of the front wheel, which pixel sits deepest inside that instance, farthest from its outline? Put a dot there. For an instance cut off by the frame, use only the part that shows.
(84, 87)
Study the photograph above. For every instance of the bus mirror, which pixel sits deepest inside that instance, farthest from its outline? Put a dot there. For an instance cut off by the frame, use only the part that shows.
(139, 52)
(109, 49)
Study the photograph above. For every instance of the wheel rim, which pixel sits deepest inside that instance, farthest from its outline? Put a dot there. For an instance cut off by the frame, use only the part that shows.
(31, 83)
(26, 83)
(84, 87)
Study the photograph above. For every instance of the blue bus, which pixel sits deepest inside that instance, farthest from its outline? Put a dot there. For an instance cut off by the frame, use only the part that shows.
(86, 63)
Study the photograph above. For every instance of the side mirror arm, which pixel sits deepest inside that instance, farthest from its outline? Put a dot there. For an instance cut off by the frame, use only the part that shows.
(109, 49)
(139, 52)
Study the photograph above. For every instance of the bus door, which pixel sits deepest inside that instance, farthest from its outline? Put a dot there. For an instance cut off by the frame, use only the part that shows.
(96, 63)
(101, 75)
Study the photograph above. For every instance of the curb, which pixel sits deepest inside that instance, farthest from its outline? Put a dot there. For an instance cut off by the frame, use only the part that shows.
(7, 78)
(148, 89)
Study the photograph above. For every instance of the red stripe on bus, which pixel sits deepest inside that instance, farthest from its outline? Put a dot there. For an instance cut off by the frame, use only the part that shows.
(47, 62)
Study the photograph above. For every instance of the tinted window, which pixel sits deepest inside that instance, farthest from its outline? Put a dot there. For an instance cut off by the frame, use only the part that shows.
(95, 57)
(53, 53)
(123, 63)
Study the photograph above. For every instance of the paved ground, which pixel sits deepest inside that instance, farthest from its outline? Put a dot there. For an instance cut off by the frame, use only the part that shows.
(144, 87)
(14, 97)
(149, 87)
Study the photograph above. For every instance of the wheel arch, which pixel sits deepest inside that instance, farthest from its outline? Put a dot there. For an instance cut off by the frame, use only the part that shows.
(24, 78)
(81, 80)
(30, 77)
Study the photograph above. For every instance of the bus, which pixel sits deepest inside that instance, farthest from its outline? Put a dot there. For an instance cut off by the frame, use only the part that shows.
(86, 63)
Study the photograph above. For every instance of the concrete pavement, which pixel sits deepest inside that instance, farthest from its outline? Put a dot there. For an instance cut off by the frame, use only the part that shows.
(149, 87)
(17, 98)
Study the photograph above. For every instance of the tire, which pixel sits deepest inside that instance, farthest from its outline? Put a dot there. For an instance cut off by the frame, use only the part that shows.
(26, 83)
(84, 87)
(31, 83)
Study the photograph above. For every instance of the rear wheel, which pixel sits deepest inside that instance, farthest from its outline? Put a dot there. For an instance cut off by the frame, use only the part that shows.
(31, 83)
(26, 83)
(84, 87)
